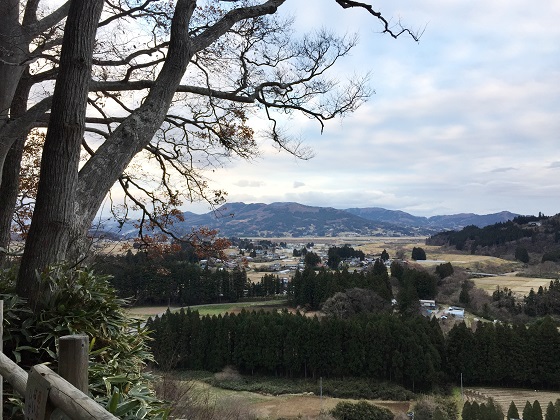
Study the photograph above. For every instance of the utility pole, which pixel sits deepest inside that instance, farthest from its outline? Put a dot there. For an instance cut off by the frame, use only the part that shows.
(321, 391)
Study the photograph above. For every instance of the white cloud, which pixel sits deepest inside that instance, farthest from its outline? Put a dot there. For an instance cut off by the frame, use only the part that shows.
(244, 183)
(464, 121)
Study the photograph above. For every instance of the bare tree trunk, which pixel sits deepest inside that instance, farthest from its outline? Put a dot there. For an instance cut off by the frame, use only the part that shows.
(10, 177)
(54, 215)
(110, 160)
(13, 50)
(103, 169)
(15, 38)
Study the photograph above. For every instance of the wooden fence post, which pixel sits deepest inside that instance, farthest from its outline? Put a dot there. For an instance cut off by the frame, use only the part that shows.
(73, 360)
(71, 401)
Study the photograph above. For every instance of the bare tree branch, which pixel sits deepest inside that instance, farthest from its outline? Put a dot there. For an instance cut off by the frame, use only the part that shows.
(345, 4)
(48, 21)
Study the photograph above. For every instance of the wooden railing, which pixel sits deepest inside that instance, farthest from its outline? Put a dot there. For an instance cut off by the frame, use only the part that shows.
(49, 394)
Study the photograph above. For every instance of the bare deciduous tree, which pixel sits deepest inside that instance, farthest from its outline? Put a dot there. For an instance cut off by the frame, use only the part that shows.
(175, 82)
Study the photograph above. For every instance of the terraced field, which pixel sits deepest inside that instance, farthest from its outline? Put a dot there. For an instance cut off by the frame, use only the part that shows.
(504, 396)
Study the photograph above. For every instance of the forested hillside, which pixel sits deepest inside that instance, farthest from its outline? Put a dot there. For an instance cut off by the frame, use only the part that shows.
(539, 236)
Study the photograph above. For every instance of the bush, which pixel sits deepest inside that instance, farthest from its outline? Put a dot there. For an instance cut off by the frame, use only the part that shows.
(359, 411)
(444, 270)
(432, 407)
(83, 302)
(336, 388)
(418, 253)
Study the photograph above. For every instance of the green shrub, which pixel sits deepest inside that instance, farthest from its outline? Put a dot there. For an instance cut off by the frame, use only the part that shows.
(359, 411)
(368, 389)
(430, 407)
(82, 302)
(336, 388)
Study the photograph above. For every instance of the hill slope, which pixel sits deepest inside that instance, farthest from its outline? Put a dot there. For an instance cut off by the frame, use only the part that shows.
(287, 219)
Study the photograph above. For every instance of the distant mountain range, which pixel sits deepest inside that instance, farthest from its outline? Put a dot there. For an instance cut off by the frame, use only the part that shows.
(297, 220)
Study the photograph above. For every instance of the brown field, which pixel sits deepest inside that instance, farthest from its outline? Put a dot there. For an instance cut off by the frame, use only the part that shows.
(147, 311)
(212, 308)
(310, 407)
(376, 245)
(519, 285)
(287, 406)
(504, 396)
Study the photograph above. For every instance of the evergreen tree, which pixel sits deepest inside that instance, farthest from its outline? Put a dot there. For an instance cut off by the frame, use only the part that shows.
(493, 411)
(475, 411)
(464, 296)
(418, 254)
(444, 270)
(467, 412)
(397, 270)
(512, 412)
(407, 299)
(379, 268)
(550, 412)
(384, 255)
(425, 283)
(528, 411)
(521, 254)
(557, 408)
(537, 411)
(311, 259)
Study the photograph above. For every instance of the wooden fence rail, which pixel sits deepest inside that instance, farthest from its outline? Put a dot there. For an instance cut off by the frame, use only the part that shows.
(45, 391)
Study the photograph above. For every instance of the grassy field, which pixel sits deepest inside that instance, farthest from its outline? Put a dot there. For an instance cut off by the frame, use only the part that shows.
(519, 285)
(293, 404)
(213, 309)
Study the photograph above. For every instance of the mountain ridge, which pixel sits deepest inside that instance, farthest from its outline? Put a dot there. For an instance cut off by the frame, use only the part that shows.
(285, 219)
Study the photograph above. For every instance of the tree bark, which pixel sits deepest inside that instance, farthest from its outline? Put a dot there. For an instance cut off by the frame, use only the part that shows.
(15, 38)
(13, 50)
(103, 169)
(10, 176)
(53, 220)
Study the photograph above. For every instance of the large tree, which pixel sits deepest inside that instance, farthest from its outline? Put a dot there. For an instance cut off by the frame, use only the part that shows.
(175, 82)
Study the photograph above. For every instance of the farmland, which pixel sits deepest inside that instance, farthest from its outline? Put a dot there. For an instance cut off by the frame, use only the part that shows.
(295, 404)
(276, 400)
(504, 396)
(521, 286)
(212, 309)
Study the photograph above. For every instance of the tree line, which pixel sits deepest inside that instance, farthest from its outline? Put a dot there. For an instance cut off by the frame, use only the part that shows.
(311, 288)
(176, 278)
(172, 279)
(531, 234)
(471, 237)
(411, 351)
(387, 348)
(545, 301)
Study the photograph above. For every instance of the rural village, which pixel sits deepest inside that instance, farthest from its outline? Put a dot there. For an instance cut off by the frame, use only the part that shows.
(279, 210)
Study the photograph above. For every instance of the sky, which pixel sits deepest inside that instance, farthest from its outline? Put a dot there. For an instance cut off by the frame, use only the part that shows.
(465, 121)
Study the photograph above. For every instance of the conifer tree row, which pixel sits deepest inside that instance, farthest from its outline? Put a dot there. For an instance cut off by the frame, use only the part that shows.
(382, 347)
(411, 351)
